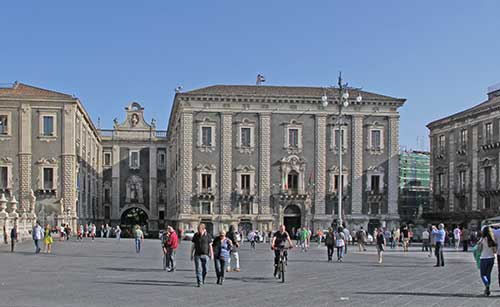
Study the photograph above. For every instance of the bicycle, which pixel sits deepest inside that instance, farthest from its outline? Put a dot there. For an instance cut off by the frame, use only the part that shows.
(282, 263)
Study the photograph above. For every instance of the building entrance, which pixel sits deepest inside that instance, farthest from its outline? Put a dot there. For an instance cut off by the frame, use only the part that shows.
(292, 218)
(132, 217)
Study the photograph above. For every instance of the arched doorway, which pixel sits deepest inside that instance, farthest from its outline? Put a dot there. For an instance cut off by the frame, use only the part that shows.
(292, 218)
(130, 218)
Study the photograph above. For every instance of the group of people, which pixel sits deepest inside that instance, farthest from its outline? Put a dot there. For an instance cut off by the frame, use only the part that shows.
(39, 234)
(90, 231)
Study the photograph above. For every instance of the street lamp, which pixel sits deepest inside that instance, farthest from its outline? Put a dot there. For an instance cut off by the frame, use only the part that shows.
(343, 101)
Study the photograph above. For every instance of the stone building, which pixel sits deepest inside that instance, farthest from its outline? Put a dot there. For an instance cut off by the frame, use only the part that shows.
(49, 155)
(465, 153)
(258, 156)
(134, 171)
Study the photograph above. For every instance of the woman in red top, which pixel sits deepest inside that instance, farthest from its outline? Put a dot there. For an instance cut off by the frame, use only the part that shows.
(170, 248)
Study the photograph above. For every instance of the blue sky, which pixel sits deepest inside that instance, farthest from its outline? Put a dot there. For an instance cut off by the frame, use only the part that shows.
(440, 55)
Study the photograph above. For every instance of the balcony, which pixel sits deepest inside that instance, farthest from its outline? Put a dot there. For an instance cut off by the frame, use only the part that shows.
(245, 194)
(334, 194)
(206, 194)
(489, 145)
(376, 194)
(291, 194)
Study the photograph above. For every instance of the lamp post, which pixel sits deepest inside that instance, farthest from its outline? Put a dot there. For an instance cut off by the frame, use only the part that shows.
(342, 99)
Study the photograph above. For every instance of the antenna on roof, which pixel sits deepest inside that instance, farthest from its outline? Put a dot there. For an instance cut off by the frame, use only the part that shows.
(99, 123)
(178, 89)
(260, 79)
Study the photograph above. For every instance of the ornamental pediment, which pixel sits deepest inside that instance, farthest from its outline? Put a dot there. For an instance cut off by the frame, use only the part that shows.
(134, 119)
(46, 161)
(205, 167)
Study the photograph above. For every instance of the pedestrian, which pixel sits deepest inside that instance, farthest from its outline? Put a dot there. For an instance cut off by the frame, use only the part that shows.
(496, 237)
(93, 230)
(118, 232)
(170, 248)
(201, 253)
(361, 238)
(439, 235)
(397, 237)
(381, 243)
(406, 238)
(103, 231)
(67, 230)
(47, 239)
(80, 232)
(139, 238)
(37, 234)
(348, 238)
(488, 248)
(108, 230)
(61, 232)
(13, 237)
(252, 237)
(340, 243)
(330, 243)
(456, 237)
(304, 234)
(425, 240)
(465, 239)
(234, 256)
(319, 235)
(222, 250)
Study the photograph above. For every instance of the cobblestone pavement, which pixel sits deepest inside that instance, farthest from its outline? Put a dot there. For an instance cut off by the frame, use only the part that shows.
(108, 272)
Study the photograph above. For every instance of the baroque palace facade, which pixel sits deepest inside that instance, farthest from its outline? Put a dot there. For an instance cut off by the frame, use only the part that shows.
(251, 156)
(465, 155)
(259, 156)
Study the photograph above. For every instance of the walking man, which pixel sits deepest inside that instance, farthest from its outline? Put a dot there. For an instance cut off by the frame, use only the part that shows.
(361, 237)
(234, 255)
(330, 243)
(456, 237)
(139, 238)
(381, 243)
(425, 240)
(170, 248)
(439, 236)
(13, 237)
(465, 239)
(201, 253)
(37, 234)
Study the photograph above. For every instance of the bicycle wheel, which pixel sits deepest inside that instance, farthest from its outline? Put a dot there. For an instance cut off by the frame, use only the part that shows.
(282, 272)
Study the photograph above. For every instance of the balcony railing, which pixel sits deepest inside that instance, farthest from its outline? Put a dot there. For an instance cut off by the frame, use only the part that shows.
(115, 134)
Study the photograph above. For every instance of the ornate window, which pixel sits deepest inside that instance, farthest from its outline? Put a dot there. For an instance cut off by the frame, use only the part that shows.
(134, 193)
(5, 125)
(441, 183)
(206, 179)
(463, 139)
(334, 182)
(488, 133)
(375, 179)
(134, 159)
(442, 144)
(107, 158)
(375, 138)
(161, 160)
(107, 192)
(245, 182)
(162, 193)
(245, 141)
(488, 173)
(206, 135)
(5, 173)
(461, 180)
(47, 125)
(338, 136)
(47, 174)
(202, 207)
(293, 136)
(292, 173)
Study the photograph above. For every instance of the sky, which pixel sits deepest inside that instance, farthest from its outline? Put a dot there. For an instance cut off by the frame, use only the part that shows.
(439, 55)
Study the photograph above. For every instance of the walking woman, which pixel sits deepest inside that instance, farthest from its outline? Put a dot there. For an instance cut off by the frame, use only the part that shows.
(380, 239)
(340, 242)
(330, 243)
(488, 248)
(222, 248)
(47, 239)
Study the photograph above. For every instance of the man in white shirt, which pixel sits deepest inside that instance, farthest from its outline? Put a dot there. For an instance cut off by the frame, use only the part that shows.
(37, 234)
(456, 237)
(347, 235)
(426, 240)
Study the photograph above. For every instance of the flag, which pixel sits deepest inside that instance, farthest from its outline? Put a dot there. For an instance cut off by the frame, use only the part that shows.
(285, 186)
(311, 178)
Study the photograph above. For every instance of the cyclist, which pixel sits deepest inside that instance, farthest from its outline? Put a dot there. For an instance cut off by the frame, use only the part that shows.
(279, 243)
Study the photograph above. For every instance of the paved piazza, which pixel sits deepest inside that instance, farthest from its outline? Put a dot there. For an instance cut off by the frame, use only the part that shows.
(108, 272)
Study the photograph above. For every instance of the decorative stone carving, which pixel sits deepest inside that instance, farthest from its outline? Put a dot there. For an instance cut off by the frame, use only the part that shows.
(13, 208)
(227, 153)
(3, 206)
(134, 187)
(319, 181)
(265, 164)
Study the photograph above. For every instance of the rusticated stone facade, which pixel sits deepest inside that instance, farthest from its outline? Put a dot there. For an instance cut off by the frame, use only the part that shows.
(258, 156)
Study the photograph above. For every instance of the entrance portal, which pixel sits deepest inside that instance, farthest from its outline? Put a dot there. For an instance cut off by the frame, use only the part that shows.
(132, 217)
(292, 218)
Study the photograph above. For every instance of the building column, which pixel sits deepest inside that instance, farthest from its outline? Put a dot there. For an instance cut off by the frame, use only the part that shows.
(451, 173)
(265, 164)
(186, 144)
(153, 184)
(226, 170)
(357, 165)
(25, 163)
(474, 167)
(68, 165)
(319, 173)
(115, 184)
(393, 167)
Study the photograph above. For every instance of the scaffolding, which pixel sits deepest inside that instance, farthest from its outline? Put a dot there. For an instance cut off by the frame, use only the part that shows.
(414, 183)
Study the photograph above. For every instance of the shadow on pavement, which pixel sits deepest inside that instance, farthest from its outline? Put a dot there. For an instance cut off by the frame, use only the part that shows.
(131, 269)
(464, 295)
(151, 283)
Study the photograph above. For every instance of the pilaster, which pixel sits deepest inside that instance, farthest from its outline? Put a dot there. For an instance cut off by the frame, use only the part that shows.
(226, 163)
(320, 167)
(451, 172)
(265, 163)
(393, 165)
(153, 184)
(115, 174)
(68, 188)
(25, 159)
(357, 164)
(186, 143)
(474, 166)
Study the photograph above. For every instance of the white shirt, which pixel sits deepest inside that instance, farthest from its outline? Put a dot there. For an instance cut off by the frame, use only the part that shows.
(486, 252)
(456, 233)
(425, 235)
(38, 232)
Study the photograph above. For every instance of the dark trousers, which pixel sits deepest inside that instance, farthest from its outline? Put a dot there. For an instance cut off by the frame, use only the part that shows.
(12, 244)
(220, 267)
(425, 245)
(201, 267)
(465, 245)
(37, 246)
(277, 255)
(439, 254)
(486, 267)
(330, 252)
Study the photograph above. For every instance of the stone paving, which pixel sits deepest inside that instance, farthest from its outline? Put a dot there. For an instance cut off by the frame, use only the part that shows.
(110, 273)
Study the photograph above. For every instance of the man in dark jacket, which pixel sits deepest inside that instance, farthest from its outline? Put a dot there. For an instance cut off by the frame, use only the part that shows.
(13, 237)
(231, 235)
